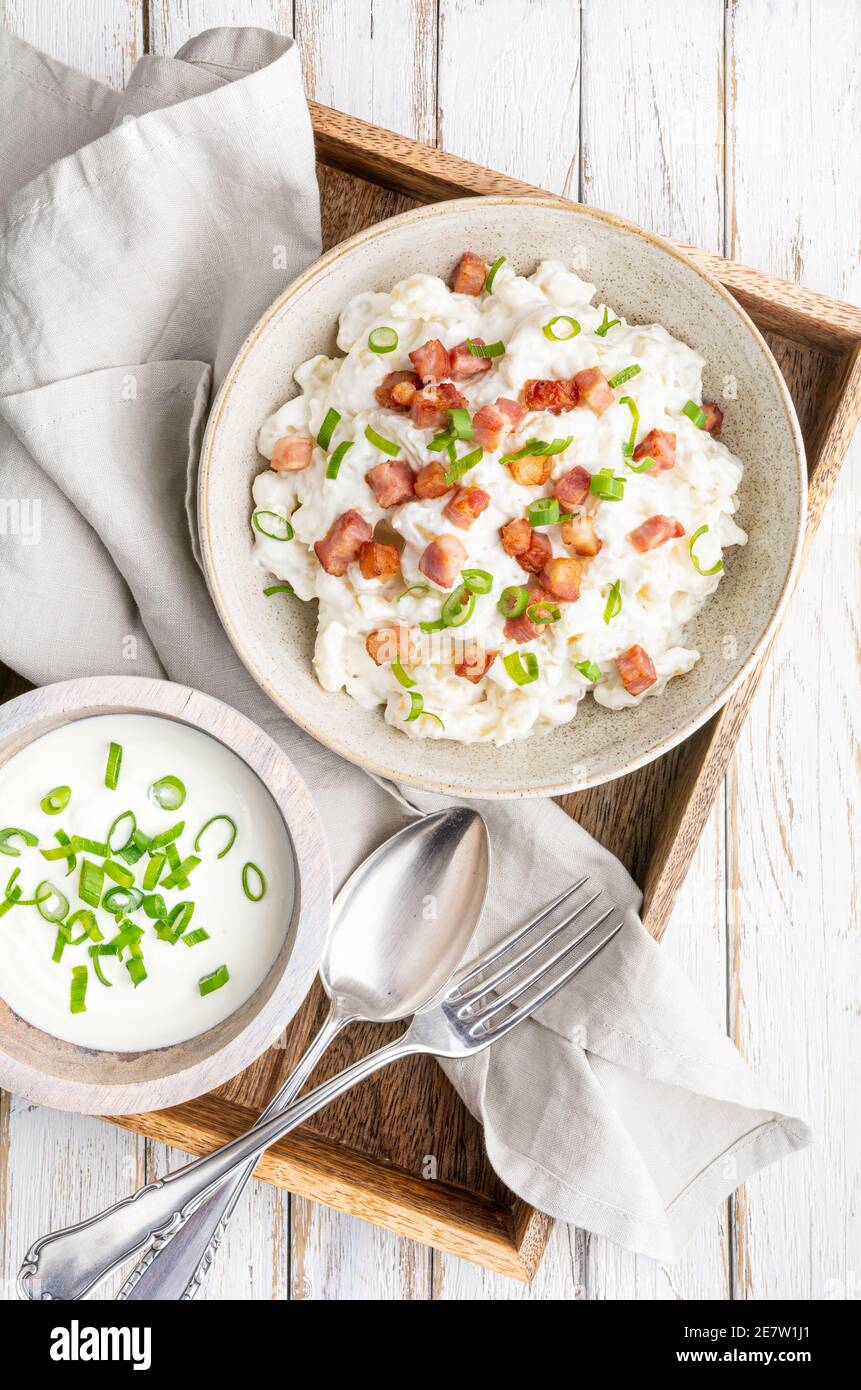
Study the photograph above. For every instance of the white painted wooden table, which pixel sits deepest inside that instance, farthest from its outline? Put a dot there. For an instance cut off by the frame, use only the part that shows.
(734, 125)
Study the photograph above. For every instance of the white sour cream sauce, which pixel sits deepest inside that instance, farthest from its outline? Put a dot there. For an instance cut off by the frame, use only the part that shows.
(245, 936)
(661, 590)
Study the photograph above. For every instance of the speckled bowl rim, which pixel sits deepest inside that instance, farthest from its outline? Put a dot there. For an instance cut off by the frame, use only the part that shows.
(354, 755)
(26, 718)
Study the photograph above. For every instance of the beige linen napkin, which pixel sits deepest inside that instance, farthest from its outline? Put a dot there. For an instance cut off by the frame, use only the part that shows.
(142, 233)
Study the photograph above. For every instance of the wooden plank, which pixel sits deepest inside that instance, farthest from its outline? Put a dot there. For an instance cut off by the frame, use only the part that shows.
(173, 22)
(105, 42)
(794, 800)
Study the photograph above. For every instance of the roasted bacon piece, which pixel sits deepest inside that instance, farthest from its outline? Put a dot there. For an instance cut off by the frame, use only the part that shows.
(714, 418)
(291, 453)
(594, 389)
(659, 445)
(470, 274)
(430, 361)
(516, 536)
(573, 487)
(535, 558)
(396, 391)
(475, 662)
(467, 503)
(430, 481)
(531, 471)
(386, 644)
(655, 531)
(429, 405)
(555, 396)
(522, 628)
(581, 535)
(392, 482)
(342, 542)
(636, 669)
(561, 579)
(443, 560)
(462, 364)
(493, 423)
(377, 561)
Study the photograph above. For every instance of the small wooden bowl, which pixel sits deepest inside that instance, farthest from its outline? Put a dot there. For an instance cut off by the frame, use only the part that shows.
(50, 1071)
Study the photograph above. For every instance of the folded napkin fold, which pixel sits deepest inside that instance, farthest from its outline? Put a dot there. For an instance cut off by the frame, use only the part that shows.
(142, 233)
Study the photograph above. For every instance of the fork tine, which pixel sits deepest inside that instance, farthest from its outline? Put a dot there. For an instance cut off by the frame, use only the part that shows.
(499, 1001)
(510, 967)
(492, 955)
(525, 1010)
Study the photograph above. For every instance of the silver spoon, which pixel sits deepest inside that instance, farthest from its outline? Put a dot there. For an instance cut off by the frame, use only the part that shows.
(400, 925)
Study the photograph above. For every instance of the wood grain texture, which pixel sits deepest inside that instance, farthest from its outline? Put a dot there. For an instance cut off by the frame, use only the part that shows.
(688, 148)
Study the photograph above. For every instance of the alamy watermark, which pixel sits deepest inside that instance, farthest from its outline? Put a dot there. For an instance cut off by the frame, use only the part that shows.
(21, 517)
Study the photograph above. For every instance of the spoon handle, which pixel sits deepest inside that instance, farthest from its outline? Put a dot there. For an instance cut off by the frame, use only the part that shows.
(177, 1268)
(68, 1264)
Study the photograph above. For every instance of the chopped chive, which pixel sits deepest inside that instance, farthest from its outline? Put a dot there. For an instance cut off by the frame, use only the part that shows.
(216, 980)
(491, 274)
(521, 667)
(573, 328)
(282, 530)
(53, 802)
(78, 990)
(613, 606)
(715, 569)
(590, 670)
(168, 793)
(337, 458)
(383, 339)
(232, 833)
(115, 762)
(330, 423)
(250, 870)
(6, 836)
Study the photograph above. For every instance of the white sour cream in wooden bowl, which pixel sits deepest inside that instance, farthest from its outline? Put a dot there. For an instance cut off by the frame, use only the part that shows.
(172, 973)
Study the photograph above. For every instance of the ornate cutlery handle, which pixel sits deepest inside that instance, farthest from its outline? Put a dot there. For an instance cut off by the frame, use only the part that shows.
(68, 1264)
(177, 1266)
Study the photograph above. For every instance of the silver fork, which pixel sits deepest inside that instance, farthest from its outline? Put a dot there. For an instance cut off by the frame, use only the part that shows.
(477, 1010)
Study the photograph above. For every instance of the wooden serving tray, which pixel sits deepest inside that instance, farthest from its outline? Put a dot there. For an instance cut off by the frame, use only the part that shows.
(401, 1150)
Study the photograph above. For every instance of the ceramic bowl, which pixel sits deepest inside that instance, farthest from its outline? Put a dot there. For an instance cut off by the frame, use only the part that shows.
(650, 281)
(53, 1072)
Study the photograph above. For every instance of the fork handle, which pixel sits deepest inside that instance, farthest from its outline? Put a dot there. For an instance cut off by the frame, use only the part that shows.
(67, 1264)
(176, 1268)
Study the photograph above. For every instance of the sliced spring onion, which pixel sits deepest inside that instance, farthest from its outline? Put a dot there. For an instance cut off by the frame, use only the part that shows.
(429, 714)
(173, 926)
(543, 612)
(61, 941)
(87, 846)
(168, 793)
(590, 670)
(11, 891)
(491, 274)
(485, 349)
(544, 511)
(549, 328)
(513, 601)
(695, 413)
(607, 324)
(252, 877)
(125, 838)
(178, 877)
(195, 937)
(172, 854)
(233, 832)
(166, 837)
(277, 527)
(128, 936)
(122, 900)
(417, 706)
(88, 921)
(6, 836)
(458, 467)
(414, 589)
(154, 906)
(606, 486)
(114, 763)
(522, 667)
(216, 980)
(152, 871)
(629, 445)
(66, 844)
(461, 424)
(330, 423)
(78, 990)
(54, 905)
(401, 676)
(91, 882)
(613, 606)
(120, 875)
(284, 588)
(716, 567)
(11, 900)
(53, 802)
(458, 607)
(386, 446)
(97, 969)
(136, 969)
(477, 581)
(140, 843)
(337, 458)
(538, 448)
(626, 374)
(383, 339)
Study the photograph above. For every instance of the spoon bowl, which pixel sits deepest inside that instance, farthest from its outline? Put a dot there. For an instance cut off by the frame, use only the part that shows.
(403, 920)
